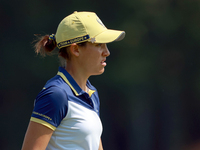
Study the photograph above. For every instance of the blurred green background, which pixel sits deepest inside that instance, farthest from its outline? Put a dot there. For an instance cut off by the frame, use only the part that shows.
(150, 91)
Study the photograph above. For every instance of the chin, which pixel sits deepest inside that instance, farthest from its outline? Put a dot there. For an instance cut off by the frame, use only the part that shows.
(102, 71)
(99, 72)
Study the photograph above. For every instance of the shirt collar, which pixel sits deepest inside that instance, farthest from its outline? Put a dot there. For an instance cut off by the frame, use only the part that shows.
(72, 83)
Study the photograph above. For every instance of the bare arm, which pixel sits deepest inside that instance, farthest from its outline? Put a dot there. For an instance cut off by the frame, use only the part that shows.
(37, 137)
(100, 145)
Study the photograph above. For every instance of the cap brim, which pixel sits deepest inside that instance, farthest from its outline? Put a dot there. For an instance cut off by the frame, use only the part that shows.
(109, 36)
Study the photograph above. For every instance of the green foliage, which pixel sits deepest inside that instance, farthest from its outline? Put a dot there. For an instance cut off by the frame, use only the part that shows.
(152, 75)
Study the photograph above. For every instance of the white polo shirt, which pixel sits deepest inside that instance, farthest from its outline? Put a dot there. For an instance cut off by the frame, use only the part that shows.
(72, 113)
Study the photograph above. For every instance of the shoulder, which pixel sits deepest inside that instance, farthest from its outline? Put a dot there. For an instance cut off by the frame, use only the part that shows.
(53, 94)
(57, 81)
(51, 105)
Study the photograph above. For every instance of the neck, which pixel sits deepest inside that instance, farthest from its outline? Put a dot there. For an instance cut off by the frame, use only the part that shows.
(78, 76)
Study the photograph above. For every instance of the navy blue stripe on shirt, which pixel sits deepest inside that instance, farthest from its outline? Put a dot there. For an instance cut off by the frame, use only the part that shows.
(51, 105)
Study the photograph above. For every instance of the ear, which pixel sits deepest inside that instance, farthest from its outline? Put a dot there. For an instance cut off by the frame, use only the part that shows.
(74, 49)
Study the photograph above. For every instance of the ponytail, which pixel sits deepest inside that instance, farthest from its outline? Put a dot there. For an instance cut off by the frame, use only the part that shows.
(45, 45)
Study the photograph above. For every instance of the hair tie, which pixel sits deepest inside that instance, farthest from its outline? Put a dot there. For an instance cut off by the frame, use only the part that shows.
(52, 38)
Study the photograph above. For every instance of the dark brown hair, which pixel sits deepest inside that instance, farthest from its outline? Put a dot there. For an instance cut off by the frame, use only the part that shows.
(43, 45)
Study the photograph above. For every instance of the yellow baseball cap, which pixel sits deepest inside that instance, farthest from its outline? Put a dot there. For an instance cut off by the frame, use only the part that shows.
(85, 26)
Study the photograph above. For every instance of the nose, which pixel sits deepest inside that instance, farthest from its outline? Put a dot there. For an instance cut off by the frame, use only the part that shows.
(106, 52)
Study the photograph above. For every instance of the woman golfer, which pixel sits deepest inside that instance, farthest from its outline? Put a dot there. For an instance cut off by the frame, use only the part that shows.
(66, 111)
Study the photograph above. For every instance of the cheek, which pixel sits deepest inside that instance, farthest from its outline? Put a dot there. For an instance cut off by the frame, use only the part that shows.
(94, 57)
(94, 61)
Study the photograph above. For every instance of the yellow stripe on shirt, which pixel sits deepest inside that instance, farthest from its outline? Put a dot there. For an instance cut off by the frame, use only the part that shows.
(66, 80)
(43, 123)
(90, 92)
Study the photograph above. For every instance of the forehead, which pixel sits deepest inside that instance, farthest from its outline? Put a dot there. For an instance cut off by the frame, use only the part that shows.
(90, 45)
(94, 44)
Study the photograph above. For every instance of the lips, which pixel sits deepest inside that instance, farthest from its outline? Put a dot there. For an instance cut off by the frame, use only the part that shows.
(103, 62)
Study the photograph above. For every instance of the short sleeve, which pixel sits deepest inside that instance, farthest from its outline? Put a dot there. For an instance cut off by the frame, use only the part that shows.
(50, 107)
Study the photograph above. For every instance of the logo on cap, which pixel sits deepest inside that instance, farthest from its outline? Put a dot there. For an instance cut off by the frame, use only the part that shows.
(71, 41)
(100, 22)
(92, 40)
